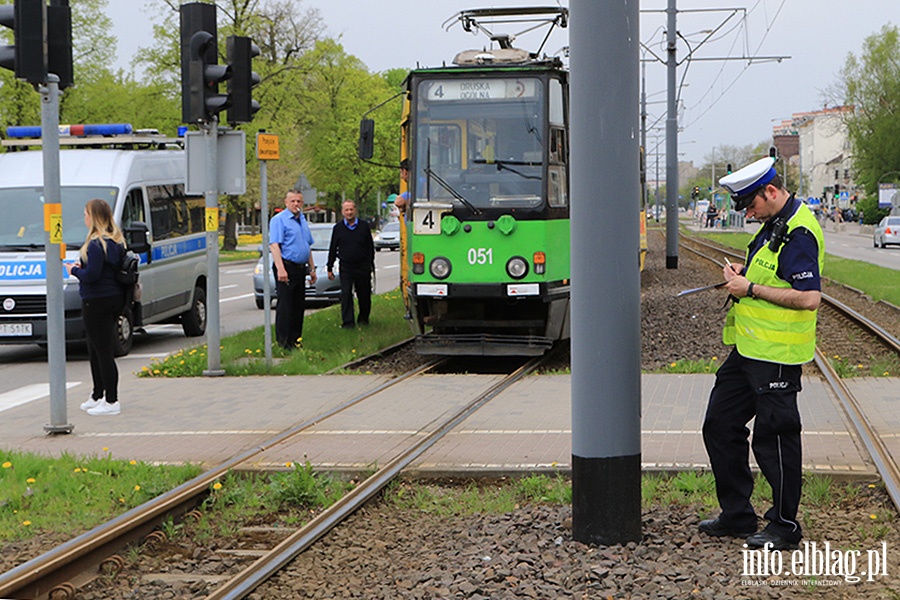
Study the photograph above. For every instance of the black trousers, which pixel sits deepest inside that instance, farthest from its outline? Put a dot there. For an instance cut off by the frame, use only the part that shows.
(359, 278)
(100, 316)
(291, 304)
(744, 389)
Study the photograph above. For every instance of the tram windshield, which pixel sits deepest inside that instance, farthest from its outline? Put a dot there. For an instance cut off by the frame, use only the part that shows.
(479, 142)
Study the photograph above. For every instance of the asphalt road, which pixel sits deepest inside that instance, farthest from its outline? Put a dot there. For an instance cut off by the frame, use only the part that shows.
(23, 369)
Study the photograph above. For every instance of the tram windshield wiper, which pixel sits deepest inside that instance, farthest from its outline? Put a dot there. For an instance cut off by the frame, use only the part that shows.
(452, 192)
(503, 165)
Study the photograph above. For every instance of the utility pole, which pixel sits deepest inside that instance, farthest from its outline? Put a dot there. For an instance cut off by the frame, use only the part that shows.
(671, 144)
(606, 402)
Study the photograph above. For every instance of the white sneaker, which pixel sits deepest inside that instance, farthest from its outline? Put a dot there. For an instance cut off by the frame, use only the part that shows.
(91, 403)
(105, 408)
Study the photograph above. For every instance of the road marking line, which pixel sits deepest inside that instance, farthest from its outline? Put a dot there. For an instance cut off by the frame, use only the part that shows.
(235, 298)
(27, 393)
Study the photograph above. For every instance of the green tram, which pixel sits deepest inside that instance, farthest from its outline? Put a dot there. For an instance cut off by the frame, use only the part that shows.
(487, 226)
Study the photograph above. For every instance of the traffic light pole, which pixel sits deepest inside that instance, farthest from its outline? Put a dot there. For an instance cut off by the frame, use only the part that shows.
(211, 134)
(54, 249)
(267, 290)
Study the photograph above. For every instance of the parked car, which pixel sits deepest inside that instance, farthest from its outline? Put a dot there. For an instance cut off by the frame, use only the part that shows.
(887, 232)
(324, 290)
(388, 237)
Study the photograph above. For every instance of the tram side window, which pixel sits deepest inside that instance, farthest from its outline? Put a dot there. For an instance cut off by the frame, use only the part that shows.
(173, 214)
(558, 184)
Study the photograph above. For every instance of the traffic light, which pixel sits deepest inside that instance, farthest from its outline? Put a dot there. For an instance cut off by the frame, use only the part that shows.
(773, 152)
(200, 72)
(28, 56)
(59, 42)
(240, 52)
(728, 168)
(42, 40)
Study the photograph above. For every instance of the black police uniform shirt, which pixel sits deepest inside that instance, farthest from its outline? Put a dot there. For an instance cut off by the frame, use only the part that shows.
(798, 263)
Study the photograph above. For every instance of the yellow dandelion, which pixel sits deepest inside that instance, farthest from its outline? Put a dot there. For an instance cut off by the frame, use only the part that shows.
(258, 350)
(78, 469)
(672, 364)
(885, 374)
(7, 465)
(872, 485)
(289, 464)
(122, 500)
(873, 517)
(30, 480)
(182, 362)
(217, 486)
(715, 358)
(837, 356)
(105, 449)
(156, 371)
(353, 351)
(145, 368)
(26, 523)
(137, 488)
(132, 462)
(194, 351)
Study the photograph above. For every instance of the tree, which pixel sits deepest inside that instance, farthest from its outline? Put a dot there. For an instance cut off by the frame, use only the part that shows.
(871, 84)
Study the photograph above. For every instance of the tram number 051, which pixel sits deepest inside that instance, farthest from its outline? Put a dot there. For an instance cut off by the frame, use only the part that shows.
(481, 256)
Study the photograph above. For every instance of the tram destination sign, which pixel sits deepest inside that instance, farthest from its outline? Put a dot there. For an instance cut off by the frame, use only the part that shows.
(481, 89)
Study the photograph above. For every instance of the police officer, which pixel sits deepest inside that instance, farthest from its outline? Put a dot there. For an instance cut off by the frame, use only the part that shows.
(772, 325)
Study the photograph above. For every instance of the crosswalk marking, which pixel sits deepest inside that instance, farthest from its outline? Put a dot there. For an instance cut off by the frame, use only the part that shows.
(27, 393)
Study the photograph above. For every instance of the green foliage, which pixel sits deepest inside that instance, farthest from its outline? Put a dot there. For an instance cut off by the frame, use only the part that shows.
(303, 487)
(871, 83)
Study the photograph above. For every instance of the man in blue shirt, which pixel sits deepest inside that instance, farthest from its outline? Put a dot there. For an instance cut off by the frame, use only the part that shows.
(290, 241)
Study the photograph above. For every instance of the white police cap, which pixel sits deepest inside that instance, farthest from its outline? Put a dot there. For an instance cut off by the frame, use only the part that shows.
(744, 183)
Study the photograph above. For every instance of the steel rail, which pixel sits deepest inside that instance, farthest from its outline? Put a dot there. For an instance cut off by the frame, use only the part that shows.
(881, 456)
(67, 562)
(250, 578)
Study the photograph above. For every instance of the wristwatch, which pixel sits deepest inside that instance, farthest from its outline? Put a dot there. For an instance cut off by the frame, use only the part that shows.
(750, 291)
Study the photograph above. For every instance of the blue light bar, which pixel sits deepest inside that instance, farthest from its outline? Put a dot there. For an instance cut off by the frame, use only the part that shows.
(27, 131)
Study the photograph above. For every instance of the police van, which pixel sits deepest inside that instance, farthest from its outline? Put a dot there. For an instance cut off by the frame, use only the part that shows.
(142, 176)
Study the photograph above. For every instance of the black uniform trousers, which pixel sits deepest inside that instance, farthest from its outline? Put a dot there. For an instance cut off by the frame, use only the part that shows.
(291, 304)
(360, 278)
(747, 388)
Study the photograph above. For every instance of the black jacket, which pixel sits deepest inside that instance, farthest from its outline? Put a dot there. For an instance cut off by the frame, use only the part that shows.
(354, 247)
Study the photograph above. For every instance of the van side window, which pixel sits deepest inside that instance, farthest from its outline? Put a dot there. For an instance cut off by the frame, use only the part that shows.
(133, 210)
(173, 214)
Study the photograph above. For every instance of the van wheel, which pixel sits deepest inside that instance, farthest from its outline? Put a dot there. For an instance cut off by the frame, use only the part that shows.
(193, 321)
(124, 333)
(260, 303)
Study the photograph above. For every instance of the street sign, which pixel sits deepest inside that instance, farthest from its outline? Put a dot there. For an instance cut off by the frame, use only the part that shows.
(267, 146)
(231, 163)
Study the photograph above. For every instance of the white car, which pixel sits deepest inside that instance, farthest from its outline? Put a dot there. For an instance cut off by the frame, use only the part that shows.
(887, 232)
(388, 237)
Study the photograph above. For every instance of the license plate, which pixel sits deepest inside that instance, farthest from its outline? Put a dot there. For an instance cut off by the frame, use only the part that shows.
(15, 329)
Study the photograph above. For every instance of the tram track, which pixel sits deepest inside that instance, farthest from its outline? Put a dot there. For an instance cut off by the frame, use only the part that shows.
(867, 433)
(58, 573)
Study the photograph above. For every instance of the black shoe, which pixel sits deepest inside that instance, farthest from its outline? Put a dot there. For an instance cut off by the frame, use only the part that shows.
(363, 322)
(716, 528)
(759, 540)
(348, 326)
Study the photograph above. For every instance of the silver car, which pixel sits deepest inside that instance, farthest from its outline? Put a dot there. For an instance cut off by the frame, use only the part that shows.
(325, 290)
(388, 237)
(887, 232)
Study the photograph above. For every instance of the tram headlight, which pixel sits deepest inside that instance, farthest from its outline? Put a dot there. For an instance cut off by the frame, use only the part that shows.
(440, 268)
(517, 267)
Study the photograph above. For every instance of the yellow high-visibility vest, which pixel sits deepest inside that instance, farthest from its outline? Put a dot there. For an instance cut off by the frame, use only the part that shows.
(763, 330)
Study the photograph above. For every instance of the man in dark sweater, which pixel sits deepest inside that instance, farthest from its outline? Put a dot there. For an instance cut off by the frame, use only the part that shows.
(351, 242)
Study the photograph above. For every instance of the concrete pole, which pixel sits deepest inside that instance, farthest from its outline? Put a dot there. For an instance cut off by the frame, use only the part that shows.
(56, 324)
(671, 146)
(606, 375)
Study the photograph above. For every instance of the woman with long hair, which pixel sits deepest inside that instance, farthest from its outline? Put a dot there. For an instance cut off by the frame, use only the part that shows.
(102, 301)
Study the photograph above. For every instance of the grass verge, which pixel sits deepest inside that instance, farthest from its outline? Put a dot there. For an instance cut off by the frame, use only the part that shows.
(325, 345)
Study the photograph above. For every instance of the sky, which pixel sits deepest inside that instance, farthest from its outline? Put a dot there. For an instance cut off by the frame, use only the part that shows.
(725, 103)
